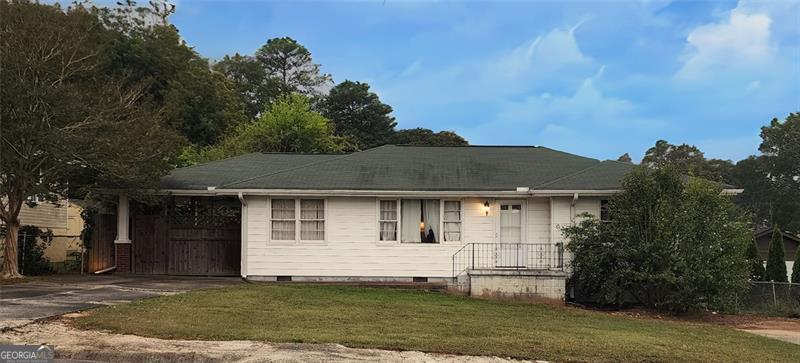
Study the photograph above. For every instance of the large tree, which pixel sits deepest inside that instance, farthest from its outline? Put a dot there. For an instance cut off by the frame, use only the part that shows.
(289, 63)
(65, 112)
(673, 244)
(771, 181)
(689, 160)
(202, 105)
(358, 114)
(289, 125)
(426, 137)
(250, 82)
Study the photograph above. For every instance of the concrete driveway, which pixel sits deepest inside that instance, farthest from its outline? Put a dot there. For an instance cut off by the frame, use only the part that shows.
(39, 298)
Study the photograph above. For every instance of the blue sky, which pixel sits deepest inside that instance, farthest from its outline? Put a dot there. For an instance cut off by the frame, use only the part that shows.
(593, 78)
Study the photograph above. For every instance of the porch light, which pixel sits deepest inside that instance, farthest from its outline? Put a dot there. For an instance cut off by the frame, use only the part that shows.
(421, 226)
(486, 208)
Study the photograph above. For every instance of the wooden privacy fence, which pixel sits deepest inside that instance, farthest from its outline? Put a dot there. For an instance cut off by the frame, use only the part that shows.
(100, 254)
(191, 236)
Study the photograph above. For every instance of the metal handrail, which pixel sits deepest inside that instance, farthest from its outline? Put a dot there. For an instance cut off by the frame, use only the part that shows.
(508, 256)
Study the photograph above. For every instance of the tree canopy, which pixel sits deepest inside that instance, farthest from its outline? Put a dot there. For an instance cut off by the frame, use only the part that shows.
(289, 125)
(358, 114)
(671, 245)
(250, 82)
(422, 136)
(70, 122)
(689, 160)
(771, 181)
(199, 104)
(290, 64)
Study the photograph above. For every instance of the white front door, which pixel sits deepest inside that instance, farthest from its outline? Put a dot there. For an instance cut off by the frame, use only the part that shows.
(510, 252)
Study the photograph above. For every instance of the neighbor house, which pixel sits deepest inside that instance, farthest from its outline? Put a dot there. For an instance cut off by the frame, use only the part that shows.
(486, 219)
(63, 219)
(790, 245)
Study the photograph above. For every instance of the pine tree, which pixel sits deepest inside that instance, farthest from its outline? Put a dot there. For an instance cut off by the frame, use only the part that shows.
(756, 263)
(776, 264)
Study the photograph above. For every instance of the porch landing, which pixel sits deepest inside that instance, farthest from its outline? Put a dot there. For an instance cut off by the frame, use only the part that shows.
(510, 283)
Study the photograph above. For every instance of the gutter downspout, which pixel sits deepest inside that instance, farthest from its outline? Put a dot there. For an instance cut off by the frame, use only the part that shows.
(243, 255)
(572, 207)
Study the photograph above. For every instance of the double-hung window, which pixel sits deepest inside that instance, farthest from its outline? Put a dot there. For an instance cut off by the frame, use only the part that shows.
(452, 220)
(312, 220)
(387, 220)
(290, 216)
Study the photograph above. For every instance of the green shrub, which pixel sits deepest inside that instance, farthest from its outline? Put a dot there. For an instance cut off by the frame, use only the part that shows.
(32, 242)
(776, 260)
(672, 245)
(796, 268)
(753, 257)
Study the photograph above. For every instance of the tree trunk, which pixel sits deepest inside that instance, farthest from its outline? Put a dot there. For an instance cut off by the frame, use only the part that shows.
(10, 263)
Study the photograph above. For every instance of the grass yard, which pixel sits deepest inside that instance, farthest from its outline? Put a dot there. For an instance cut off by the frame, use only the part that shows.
(427, 321)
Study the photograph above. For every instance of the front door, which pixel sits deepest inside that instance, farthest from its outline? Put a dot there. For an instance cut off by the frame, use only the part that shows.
(510, 251)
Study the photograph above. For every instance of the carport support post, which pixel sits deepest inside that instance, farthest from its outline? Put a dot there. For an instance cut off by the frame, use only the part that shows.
(122, 244)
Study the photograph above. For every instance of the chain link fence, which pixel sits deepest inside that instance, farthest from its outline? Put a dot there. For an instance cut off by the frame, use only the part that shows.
(770, 298)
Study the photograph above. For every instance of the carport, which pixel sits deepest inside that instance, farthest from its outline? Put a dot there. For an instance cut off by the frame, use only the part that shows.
(181, 235)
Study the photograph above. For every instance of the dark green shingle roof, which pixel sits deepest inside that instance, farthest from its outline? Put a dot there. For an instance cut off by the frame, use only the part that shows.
(415, 168)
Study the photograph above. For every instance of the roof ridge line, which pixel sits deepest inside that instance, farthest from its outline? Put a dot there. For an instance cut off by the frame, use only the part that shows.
(567, 176)
(212, 161)
(296, 167)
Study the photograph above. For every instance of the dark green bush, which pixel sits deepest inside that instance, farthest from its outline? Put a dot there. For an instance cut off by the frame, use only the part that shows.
(32, 242)
(672, 245)
(776, 260)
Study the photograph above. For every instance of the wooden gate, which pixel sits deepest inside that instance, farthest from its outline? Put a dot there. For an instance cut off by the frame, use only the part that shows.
(194, 236)
(100, 252)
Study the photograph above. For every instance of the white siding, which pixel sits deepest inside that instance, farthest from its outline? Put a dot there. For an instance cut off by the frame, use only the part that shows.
(352, 248)
(538, 220)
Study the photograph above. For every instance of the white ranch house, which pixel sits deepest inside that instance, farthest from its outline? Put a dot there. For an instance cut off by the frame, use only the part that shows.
(485, 219)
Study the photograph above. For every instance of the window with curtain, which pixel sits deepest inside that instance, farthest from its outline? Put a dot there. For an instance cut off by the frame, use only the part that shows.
(312, 220)
(283, 219)
(420, 220)
(387, 220)
(452, 220)
(287, 214)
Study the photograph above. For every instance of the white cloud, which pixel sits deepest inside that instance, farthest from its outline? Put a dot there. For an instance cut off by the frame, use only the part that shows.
(740, 41)
(587, 104)
(545, 53)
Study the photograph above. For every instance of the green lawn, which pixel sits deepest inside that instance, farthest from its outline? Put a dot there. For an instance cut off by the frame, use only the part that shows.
(427, 321)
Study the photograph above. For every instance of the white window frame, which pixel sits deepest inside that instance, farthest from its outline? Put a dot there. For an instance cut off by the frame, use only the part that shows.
(298, 220)
(460, 221)
(398, 221)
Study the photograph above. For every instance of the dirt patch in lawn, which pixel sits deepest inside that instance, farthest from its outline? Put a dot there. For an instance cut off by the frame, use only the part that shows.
(71, 343)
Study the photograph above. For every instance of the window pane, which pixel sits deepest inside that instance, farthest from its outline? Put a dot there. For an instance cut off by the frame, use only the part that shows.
(283, 230)
(312, 230)
(452, 231)
(388, 231)
(388, 210)
(312, 209)
(604, 212)
(283, 209)
(452, 211)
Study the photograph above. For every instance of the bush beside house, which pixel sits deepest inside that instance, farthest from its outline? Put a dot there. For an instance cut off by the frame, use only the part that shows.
(672, 244)
(31, 250)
